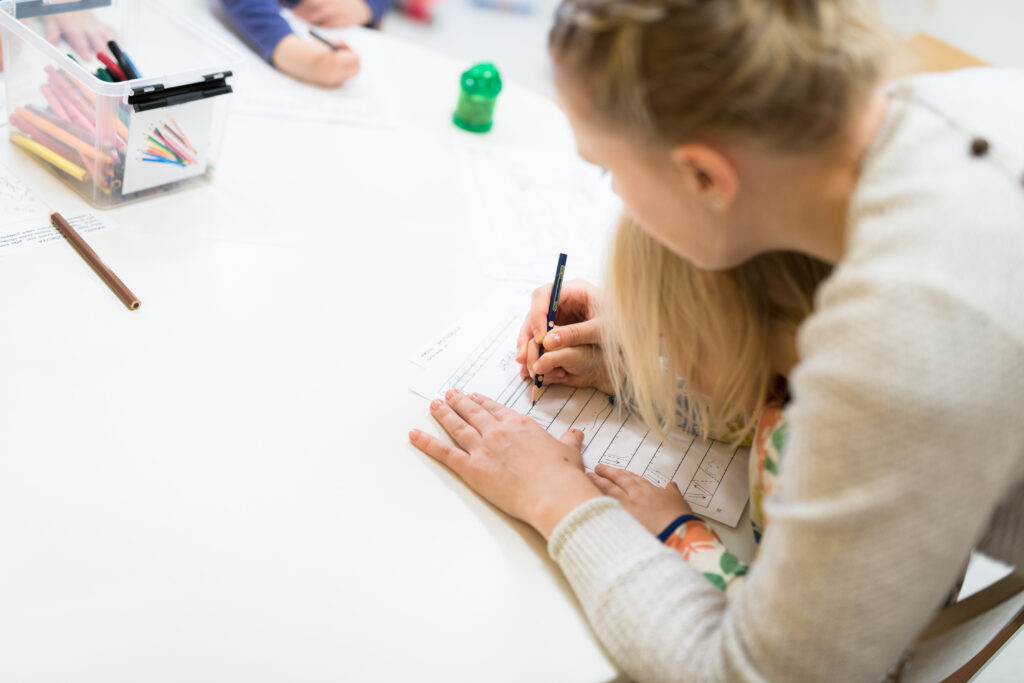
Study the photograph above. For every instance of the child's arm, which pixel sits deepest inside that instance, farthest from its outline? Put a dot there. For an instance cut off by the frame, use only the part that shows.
(314, 62)
(664, 512)
(703, 550)
(261, 24)
(378, 8)
(341, 12)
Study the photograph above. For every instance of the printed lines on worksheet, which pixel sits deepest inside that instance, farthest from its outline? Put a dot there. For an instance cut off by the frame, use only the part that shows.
(704, 484)
(481, 356)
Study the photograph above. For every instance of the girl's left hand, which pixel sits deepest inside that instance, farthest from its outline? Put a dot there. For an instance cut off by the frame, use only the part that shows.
(509, 459)
(651, 505)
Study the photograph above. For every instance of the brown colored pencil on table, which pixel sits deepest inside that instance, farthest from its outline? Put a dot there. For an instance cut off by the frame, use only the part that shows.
(90, 257)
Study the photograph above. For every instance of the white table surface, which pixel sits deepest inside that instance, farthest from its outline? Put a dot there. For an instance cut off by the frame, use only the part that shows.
(219, 487)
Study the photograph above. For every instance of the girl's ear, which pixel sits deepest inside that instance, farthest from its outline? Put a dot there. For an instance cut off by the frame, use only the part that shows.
(707, 175)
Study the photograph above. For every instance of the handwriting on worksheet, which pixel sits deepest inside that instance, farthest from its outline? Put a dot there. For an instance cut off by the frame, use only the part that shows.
(480, 356)
(25, 218)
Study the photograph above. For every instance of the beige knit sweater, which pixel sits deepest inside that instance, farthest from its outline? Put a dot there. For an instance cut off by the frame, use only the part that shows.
(906, 429)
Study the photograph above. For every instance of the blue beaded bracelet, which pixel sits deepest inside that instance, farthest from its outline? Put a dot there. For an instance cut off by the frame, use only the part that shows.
(676, 523)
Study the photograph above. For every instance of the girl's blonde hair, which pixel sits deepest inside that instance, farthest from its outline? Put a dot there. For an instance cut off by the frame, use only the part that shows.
(788, 73)
(700, 342)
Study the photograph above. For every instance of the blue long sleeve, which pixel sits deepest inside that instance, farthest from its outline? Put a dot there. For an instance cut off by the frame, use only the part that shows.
(379, 8)
(261, 24)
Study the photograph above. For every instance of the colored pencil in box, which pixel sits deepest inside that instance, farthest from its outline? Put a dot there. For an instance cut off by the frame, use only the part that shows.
(45, 140)
(58, 132)
(81, 134)
(65, 82)
(55, 160)
(80, 143)
(42, 138)
(87, 95)
(82, 110)
(112, 67)
(122, 60)
(131, 64)
(54, 102)
(72, 134)
(60, 86)
(76, 132)
(103, 178)
(79, 112)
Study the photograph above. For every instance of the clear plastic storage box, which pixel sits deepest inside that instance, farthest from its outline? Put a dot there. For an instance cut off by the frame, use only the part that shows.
(115, 141)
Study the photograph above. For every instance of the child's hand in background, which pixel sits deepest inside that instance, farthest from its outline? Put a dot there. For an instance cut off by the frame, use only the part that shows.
(334, 12)
(84, 34)
(314, 62)
(651, 505)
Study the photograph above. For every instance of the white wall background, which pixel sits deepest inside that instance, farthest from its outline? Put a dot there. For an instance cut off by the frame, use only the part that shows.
(990, 29)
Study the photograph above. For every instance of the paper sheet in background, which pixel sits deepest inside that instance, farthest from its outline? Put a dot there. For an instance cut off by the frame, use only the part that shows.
(25, 219)
(261, 89)
(527, 203)
(478, 354)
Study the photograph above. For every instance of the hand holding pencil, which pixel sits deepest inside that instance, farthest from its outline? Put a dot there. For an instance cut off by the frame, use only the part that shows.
(572, 349)
(314, 62)
(556, 290)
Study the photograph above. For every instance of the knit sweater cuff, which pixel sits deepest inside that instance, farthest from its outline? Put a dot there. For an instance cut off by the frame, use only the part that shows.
(592, 542)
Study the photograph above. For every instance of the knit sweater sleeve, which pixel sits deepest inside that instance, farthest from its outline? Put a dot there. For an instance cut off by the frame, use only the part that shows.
(903, 437)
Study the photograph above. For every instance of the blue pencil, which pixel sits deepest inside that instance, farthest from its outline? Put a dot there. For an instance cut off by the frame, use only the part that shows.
(152, 157)
(122, 60)
(134, 68)
(556, 290)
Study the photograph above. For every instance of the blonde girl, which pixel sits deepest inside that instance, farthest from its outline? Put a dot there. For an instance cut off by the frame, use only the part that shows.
(787, 217)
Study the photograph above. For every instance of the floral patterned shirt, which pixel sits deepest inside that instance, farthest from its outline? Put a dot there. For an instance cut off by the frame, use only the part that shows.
(699, 544)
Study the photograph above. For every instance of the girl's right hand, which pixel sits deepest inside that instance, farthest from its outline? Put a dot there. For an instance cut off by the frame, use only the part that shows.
(314, 62)
(572, 349)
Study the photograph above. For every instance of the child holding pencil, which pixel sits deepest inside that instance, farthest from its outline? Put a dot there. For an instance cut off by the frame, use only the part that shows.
(261, 24)
(812, 256)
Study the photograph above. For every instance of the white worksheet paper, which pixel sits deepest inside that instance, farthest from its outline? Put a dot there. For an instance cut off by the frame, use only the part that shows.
(525, 203)
(25, 218)
(262, 90)
(478, 354)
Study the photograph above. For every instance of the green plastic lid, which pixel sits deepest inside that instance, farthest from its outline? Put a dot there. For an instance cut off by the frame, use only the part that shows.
(483, 79)
(480, 88)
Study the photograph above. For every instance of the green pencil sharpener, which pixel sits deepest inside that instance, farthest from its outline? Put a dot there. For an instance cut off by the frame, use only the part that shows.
(480, 88)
